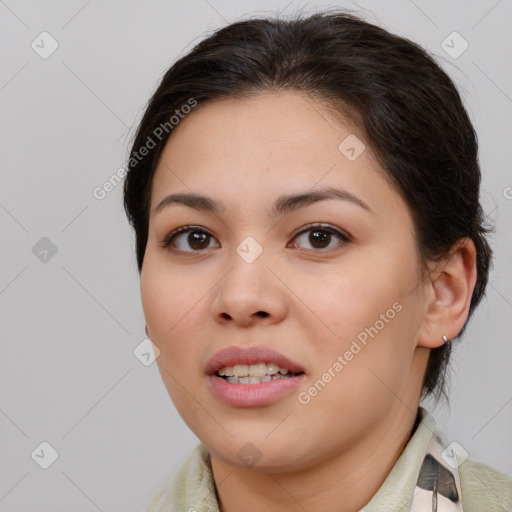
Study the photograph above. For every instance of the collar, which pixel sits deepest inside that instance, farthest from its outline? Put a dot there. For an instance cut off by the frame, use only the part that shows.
(424, 477)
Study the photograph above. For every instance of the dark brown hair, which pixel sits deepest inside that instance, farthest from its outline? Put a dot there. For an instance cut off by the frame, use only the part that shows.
(405, 105)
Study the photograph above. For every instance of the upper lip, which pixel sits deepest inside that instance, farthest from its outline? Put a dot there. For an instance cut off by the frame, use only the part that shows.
(231, 356)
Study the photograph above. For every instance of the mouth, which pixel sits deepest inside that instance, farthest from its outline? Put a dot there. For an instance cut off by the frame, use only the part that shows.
(252, 376)
(252, 361)
(254, 373)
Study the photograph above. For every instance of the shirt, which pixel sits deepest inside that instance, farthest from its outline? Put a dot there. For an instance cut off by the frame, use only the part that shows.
(481, 487)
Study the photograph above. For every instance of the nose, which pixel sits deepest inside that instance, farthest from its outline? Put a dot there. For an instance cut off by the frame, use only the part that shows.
(250, 293)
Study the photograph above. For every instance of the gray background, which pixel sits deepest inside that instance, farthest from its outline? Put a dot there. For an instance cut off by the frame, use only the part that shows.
(69, 325)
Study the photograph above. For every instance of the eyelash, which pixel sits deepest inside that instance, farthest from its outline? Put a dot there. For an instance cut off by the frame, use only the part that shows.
(344, 237)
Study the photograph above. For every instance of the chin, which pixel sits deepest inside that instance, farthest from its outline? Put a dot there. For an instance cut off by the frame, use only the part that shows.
(257, 452)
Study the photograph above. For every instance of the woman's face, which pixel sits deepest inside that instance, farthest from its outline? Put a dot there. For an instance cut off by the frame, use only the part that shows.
(340, 301)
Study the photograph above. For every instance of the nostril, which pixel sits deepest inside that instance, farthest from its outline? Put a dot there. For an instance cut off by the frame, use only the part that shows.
(262, 313)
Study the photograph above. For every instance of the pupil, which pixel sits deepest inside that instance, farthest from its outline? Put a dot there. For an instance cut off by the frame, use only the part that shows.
(196, 240)
(318, 237)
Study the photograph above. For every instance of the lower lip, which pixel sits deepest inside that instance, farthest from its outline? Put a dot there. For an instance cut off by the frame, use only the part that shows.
(253, 395)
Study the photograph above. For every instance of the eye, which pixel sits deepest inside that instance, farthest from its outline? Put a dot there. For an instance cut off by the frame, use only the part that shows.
(320, 236)
(198, 239)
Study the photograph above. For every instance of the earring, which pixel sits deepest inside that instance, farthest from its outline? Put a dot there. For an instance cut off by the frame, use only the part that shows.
(445, 339)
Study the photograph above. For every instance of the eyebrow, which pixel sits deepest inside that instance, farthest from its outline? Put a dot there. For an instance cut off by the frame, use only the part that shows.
(283, 204)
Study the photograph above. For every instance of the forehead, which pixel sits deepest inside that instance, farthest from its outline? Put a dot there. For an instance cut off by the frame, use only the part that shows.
(264, 145)
(283, 119)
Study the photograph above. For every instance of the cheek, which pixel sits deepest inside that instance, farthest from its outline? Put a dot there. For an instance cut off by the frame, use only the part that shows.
(166, 297)
(371, 356)
(359, 375)
(362, 311)
(172, 313)
(173, 310)
(344, 301)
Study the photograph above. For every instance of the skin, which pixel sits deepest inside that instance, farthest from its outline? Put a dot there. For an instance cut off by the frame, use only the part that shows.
(317, 299)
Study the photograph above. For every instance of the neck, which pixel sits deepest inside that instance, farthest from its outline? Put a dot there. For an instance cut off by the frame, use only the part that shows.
(348, 479)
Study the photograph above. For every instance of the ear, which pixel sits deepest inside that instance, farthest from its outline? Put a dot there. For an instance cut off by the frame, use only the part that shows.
(449, 291)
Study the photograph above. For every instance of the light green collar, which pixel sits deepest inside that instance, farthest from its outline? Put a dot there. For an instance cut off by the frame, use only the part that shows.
(193, 489)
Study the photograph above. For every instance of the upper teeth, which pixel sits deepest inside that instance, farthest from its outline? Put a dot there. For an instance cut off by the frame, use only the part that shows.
(253, 370)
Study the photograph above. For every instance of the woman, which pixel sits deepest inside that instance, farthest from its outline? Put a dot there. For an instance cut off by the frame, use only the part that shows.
(305, 199)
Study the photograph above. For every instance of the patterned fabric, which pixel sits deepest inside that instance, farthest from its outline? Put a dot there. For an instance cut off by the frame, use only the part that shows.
(438, 487)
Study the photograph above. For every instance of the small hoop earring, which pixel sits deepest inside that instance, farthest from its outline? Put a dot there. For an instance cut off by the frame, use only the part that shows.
(445, 339)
